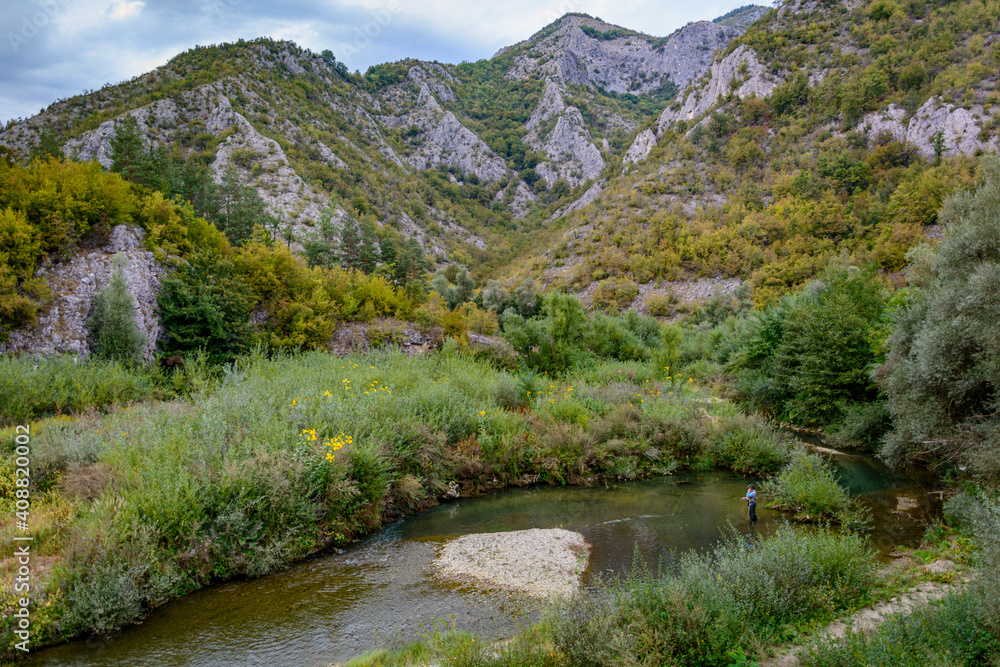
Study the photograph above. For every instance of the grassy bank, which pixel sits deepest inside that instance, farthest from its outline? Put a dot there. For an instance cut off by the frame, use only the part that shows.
(279, 457)
(732, 601)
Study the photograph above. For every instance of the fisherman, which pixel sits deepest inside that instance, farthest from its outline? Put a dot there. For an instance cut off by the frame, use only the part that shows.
(751, 499)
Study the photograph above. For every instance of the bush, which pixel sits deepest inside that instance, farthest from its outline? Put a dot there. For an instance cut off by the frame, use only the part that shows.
(941, 377)
(661, 305)
(114, 333)
(615, 293)
(748, 445)
(733, 598)
(960, 630)
(808, 485)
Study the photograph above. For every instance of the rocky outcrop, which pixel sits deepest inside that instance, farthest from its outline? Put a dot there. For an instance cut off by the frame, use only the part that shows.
(640, 148)
(205, 109)
(62, 328)
(579, 51)
(961, 128)
(585, 199)
(740, 72)
(260, 162)
(442, 139)
(559, 132)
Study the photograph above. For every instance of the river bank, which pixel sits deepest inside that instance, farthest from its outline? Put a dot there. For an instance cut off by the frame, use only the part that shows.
(290, 455)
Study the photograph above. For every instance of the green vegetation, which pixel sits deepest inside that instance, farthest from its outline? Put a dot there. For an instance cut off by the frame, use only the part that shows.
(808, 486)
(960, 630)
(259, 448)
(714, 608)
(112, 324)
(941, 377)
(277, 457)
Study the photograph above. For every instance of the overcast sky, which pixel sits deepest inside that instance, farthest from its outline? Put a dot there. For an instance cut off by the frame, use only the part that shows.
(58, 48)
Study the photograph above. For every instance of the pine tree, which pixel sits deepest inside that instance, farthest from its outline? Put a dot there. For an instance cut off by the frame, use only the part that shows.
(321, 244)
(111, 324)
(350, 243)
(129, 156)
(368, 254)
(241, 208)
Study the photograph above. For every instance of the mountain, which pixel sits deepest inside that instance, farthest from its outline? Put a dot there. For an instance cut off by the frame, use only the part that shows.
(454, 155)
(755, 148)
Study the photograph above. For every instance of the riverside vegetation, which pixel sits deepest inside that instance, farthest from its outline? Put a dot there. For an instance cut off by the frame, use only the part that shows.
(150, 482)
(160, 481)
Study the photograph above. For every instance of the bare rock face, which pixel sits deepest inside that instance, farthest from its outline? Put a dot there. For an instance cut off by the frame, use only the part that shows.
(62, 328)
(578, 51)
(640, 148)
(740, 72)
(960, 127)
(260, 162)
(205, 109)
(444, 140)
(585, 199)
(891, 121)
(560, 133)
(523, 198)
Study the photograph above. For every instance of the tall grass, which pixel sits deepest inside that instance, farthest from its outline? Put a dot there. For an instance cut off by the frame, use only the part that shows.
(38, 387)
(963, 629)
(740, 596)
(172, 495)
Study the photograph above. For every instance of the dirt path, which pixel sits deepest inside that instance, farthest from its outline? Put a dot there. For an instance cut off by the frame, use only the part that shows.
(870, 617)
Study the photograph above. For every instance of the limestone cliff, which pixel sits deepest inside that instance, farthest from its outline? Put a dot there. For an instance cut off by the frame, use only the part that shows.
(62, 328)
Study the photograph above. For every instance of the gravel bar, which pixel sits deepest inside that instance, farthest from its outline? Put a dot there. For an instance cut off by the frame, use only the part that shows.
(535, 562)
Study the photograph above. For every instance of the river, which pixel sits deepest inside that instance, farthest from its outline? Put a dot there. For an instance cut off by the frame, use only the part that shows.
(381, 590)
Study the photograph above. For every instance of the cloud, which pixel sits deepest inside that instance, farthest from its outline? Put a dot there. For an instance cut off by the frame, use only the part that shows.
(59, 48)
(123, 9)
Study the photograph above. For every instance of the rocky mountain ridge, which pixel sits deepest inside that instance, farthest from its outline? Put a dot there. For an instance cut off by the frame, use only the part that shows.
(567, 147)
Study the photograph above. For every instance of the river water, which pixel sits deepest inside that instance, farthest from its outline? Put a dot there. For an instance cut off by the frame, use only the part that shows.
(335, 606)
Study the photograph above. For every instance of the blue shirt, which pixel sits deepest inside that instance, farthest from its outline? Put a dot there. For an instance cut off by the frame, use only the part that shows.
(752, 496)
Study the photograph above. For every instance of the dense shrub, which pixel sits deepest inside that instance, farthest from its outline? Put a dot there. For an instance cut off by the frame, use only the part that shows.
(810, 358)
(734, 597)
(808, 485)
(941, 377)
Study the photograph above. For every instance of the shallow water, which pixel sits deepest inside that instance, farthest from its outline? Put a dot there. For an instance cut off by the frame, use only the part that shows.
(330, 608)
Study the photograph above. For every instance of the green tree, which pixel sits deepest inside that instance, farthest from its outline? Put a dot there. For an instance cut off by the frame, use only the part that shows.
(129, 155)
(49, 145)
(942, 373)
(240, 209)
(350, 243)
(320, 246)
(113, 330)
(204, 305)
(809, 359)
(368, 253)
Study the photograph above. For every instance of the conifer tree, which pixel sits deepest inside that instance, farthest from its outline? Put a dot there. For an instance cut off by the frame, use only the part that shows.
(112, 324)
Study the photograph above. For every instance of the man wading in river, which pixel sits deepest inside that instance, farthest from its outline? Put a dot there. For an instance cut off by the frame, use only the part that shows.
(751, 499)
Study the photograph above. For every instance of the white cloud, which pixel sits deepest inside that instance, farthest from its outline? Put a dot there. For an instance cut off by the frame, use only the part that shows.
(123, 9)
(80, 43)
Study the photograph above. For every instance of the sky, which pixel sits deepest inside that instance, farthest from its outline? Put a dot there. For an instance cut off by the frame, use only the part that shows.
(53, 49)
